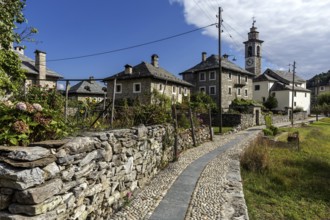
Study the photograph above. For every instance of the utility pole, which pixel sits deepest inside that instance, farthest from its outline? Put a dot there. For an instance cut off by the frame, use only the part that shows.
(220, 69)
(66, 100)
(292, 99)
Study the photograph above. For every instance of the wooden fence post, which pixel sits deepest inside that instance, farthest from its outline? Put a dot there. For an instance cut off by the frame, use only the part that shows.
(192, 127)
(175, 123)
(66, 100)
(113, 101)
(210, 124)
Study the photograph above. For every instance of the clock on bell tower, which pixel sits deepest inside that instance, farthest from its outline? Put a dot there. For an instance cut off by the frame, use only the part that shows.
(253, 51)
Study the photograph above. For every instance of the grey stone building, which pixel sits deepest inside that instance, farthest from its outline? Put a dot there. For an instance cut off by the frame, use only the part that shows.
(236, 81)
(318, 84)
(37, 72)
(87, 89)
(138, 82)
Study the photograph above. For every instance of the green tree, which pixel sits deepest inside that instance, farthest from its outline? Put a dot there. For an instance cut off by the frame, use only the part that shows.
(323, 98)
(11, 16)
(271, 102)
(201, 102)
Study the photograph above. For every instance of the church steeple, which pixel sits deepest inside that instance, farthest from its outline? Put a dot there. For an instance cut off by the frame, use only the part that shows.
(253, 51)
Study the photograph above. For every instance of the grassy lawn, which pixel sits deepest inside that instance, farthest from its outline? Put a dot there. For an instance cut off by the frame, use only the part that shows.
(296, 185)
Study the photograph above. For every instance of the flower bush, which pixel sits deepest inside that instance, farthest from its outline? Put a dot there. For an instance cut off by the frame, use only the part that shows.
(23, 122)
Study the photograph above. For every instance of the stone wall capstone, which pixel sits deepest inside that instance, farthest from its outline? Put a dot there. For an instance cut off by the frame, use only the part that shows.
(90, 176)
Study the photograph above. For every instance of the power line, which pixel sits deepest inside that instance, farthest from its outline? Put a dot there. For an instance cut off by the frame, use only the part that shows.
(231, 37)
(204, 11)
(132, 47)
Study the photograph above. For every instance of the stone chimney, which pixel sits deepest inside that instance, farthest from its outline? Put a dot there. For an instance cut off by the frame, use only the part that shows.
(203, 56)
(154, 60)
(91, 79)
(225, 56)
(40, 64)
(19, 49)
(128, 69)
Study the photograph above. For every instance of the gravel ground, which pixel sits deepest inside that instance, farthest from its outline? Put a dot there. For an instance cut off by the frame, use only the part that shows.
(142, 206)
(219, 193)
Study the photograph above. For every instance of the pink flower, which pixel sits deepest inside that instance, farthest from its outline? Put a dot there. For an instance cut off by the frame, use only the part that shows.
(37, 107)
(21, 106)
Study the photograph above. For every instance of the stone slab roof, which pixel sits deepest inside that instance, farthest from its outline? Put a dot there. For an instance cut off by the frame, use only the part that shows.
(93, 88)
(281, 87)
(212, 62)
(264, 77)
(147, 70)
(28, 64)
(284, 76)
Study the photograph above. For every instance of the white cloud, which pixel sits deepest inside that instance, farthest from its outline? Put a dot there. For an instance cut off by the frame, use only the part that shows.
(60, 86)
(292, 29)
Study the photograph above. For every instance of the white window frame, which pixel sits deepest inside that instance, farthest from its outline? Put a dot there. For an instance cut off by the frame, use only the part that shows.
(245, 92)
(230, 89)
(230, 76)
(215, 75)
(215, 90)
(239, 79)
(202, 87)
(258, 88)
(322, 88)
(185, 91)
(121, 88)
(238, 92)
(200, 76)
(160, 86)
(135, 91)
(246, 79)
(173, 89)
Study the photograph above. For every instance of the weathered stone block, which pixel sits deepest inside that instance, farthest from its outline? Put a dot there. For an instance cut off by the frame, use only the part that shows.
(89, 157)
(40, 193)
(37, 209)
(81, 144)
(6, 196)
(51, 170)
(20, 179)
(86, 170)
(29, 164)
(107, 152)
(25, 153)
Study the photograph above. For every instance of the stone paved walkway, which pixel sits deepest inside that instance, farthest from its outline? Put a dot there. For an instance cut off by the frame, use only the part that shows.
(204, 184)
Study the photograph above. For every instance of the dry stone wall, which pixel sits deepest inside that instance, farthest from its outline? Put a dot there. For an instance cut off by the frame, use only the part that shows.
(91, 176)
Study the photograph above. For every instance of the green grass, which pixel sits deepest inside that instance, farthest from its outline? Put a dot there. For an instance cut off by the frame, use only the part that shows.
(297, 183)
(224, 129)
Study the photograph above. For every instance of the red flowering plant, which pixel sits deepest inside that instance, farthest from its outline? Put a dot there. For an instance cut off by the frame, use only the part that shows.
(23, 122)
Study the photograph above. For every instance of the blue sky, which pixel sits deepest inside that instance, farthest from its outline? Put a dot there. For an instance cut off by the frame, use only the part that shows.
(74, 28)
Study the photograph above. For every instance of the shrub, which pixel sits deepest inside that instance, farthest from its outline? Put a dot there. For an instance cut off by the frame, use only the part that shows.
(274, 129)
(34, 117)
(23, 122)
(183, 121)
(268, 120)
(271, 102)
(267, 132)
(256, 157)
(298, 109)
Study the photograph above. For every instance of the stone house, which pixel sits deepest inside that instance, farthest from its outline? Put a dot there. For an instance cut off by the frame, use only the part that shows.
(279, 84)
(318, 84)
(138, 82)
(87, 89)
(36, 70)
(236, 81)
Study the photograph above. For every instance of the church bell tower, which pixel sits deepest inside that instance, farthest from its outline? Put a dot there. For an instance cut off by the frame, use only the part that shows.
(253, 51)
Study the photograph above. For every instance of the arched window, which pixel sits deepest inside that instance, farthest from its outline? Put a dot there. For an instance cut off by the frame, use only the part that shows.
(249, 51)
(258, 51)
